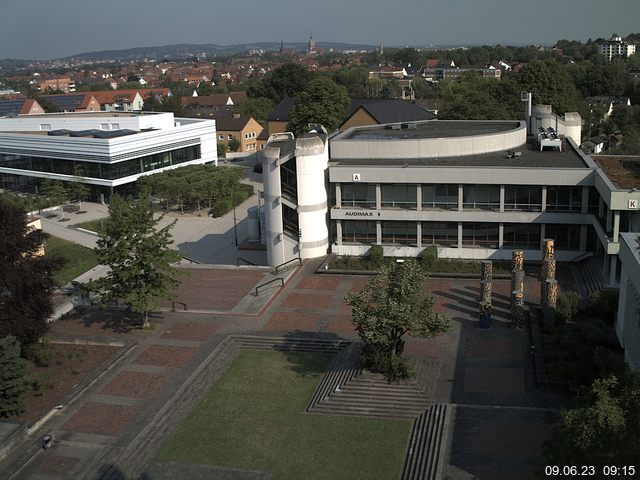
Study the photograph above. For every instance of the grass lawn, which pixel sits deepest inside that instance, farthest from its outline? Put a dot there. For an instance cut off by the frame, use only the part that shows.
(93, 225)
(253, 419)
(79, 259)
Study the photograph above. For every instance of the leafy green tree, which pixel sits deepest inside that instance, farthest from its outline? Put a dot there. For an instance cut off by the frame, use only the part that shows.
(392, 304)
(322, 101)
(258, 108)
(12, 387)
(354, 79)
(26, 283)
(603, 433)
(234, 144)
(139, 257)
(57, 193)
(78, 188)
(390, 89)
(550, 84)
(285, 81)
(222, 149)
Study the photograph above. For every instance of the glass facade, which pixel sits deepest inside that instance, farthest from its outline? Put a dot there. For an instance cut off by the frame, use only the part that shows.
(564, 199)
(522, 198)
(356, 232)
(399, 195)
(521, 235)
(290, 221)
(358, 195)
(440, 196)
(107, 171)
(289, 179)
(480, 235)
(399, 233)
(567, 237)
(481, 197)
(440, 233)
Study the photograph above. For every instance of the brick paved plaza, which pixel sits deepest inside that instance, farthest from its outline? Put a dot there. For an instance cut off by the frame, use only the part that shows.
(500, 418)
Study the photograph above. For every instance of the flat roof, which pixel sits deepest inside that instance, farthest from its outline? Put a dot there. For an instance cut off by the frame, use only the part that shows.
(530, 157)
(622, 170)
(431, 129)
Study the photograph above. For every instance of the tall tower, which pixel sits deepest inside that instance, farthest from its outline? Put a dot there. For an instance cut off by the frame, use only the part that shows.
(281, 46)
(312, 44)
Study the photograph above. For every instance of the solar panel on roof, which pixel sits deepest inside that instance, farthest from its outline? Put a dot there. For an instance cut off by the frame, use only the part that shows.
(11, 107)
(66, 102)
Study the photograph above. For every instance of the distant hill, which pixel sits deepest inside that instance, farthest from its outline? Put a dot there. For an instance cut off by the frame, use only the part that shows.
(211, 50)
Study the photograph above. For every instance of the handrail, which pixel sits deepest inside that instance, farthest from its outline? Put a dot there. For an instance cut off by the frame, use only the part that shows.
(297, 259)
(191, 260)
(245, 261)
(270, 281)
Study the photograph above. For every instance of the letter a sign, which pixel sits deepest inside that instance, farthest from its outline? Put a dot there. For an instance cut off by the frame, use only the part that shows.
(356, 177)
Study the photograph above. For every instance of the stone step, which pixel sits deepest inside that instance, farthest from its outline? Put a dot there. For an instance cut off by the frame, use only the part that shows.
(426, 445)
(366, 411)
(353, 390)
(417, 403)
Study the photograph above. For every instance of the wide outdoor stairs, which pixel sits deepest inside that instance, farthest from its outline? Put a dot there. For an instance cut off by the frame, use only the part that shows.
(589, 278)
(346, 389)
(423, 460)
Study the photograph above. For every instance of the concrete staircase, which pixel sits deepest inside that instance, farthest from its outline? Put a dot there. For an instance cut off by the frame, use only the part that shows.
(290, 344)
(346, 389)
(589, 277)
(427, 444)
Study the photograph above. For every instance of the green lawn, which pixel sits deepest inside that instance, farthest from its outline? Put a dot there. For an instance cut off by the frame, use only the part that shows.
(253, 419)
(79, 259)
(93, 225)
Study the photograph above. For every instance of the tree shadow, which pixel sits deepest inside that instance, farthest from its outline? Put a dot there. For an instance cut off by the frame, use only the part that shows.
(314, 361)
(114, 319)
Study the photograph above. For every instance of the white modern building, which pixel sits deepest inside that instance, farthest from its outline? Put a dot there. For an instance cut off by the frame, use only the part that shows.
(476, 189)
(616, 47)
(628, 320)
(113, 149)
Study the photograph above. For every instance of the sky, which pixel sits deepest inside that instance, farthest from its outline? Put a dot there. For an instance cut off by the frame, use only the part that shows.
(47, 29)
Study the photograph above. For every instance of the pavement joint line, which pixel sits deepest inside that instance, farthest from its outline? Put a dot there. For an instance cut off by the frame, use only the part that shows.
(505, 407)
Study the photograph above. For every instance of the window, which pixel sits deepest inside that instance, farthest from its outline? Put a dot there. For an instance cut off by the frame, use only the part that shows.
(440, 196)
(480, 235)
(522, 198)
(358, 195)
(221, 137)
(481, 197)
(519, 235)
(361, 232)
(104, 126)
(399, 195)
(564, 199)
(399, 233)
(45, 127)
(115, 126)
(229, 137)
(437, 233)
(567, 237)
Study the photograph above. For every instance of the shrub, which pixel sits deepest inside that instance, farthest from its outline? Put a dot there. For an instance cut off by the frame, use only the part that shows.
(71, 208)
(39, 353)
(567, 306)
(603, 305)
(429, 257)
(376, 255)
(379, 360)
(221, 207)
(12, 386)
(238, 197)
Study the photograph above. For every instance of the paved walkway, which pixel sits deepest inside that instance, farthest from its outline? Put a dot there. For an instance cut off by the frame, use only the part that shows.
(500, 419)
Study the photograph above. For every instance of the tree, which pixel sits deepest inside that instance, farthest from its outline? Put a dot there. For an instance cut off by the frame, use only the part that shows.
(234, 144)
(258, 108)
(603, 433)
(26, 283)
(57, 192)
(12, 387)
(322, 101)
(392, 304)
(222, 150)
(78, 188)
(550, 84)
(138, 255)
(285, 81)
(354, 79)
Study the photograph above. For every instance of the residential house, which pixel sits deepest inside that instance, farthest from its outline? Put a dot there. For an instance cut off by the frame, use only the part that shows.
(616, 47)
(119, 100)
(64, 84)
(74, 102)
(244, 128)
(19, 106)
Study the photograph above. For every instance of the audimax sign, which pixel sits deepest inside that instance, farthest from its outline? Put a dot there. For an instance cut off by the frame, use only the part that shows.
(360, 213)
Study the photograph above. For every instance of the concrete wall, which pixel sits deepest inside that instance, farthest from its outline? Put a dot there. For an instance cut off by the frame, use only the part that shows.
(628, 319)
(86, 121)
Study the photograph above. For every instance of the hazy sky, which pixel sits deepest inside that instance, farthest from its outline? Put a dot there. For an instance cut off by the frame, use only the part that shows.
(45, 29)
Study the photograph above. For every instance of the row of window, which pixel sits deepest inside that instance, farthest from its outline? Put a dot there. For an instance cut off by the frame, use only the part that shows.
(445, 234)
(108, 171)
(479, 197)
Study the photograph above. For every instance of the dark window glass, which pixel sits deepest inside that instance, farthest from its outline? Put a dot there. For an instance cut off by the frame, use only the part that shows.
(399, 195)
(358, 195)
(522, 198)
(521, 235)
(440, 196)
(567, 237)
(480, 235)
(440, 233)
(482, 197)
(564, 199)
(358, 232)
(399, 233)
